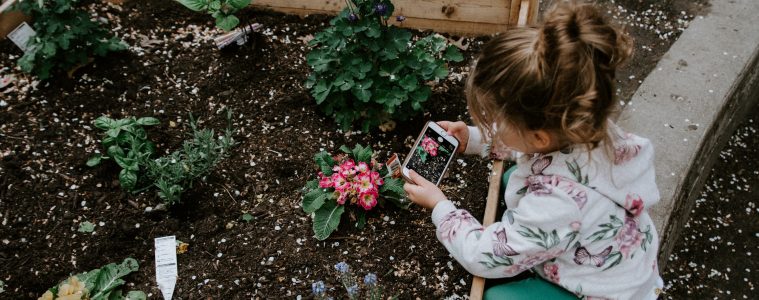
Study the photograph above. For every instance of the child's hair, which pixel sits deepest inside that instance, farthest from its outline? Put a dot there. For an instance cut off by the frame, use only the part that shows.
(558, 77)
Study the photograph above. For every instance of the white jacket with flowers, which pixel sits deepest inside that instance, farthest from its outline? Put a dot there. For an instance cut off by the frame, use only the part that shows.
(577, 220)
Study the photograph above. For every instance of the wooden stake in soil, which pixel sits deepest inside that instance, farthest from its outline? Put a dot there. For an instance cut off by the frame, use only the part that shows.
(494, 191)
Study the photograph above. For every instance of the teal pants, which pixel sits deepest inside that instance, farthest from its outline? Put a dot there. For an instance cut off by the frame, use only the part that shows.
(532, 288)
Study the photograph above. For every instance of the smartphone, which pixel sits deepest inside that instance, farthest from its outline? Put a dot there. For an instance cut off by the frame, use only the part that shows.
(431, 154)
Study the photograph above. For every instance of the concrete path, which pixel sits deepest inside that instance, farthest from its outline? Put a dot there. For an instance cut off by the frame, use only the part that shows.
(691, 103)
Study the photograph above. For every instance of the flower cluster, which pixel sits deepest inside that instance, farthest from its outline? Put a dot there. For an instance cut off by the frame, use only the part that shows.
(430, 146)
(353, 183)
(72, 289)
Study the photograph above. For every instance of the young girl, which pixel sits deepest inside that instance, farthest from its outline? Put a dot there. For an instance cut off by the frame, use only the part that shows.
(576, 199)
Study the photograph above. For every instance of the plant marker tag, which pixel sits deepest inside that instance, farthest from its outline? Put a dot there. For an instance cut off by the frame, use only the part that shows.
(166, 265)
(394, 166)
(21, 35)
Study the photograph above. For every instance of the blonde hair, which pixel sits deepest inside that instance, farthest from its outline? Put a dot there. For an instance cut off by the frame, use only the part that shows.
(558, 76)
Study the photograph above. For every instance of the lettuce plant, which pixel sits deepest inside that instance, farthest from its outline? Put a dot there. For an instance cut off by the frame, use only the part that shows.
(99, 284)
(352, 179)
(65, 38)
(221, 10)
(364, 69)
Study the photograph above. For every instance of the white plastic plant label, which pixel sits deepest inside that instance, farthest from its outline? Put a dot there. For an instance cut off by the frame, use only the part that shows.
(21, 35)
(166, 265)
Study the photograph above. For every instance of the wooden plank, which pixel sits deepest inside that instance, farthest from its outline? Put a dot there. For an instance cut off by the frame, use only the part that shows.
(494, 194)
(463, 11)
(524, 10)
(454, 27)
(532, 16)
(464, 17)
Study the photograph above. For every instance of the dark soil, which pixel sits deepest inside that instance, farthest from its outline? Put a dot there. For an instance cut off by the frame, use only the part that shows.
(172, 70)
(714, 257)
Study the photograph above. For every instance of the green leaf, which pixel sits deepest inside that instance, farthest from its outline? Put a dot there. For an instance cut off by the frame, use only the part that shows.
(345, 149)
(109, 278)
(364, 155)
(196, 5)
(214, 5)
(361, 94)
(393, 185)
(148, 121)
(86, 227)
(94, 160)
(314, 200)
(326, 219)
(246, 217)
(453, 54)
(227, 23)
(409, 82)
(360, 219)
(239, 4)
(127, 179)
(325, 162)
(136, 295)
(321, 91)
(103, 123)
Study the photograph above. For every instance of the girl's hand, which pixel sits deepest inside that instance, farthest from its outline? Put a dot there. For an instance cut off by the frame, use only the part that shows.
(422, 192)
(458, 130)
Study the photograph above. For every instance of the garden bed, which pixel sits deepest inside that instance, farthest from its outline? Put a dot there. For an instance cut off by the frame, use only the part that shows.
(172, 69)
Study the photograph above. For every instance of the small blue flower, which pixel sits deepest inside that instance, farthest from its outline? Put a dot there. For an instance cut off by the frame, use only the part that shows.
(318, 288)
(400, 18)
(370, 279)
(352, 290)
(380, 9)
(342, 267)
(352, 18)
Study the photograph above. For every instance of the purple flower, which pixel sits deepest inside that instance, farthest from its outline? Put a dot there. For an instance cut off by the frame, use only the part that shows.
(352, 18)
(380, 9)
(352, 290)
(400, 18)
(370, 279)
(342, 267)
(318, 288)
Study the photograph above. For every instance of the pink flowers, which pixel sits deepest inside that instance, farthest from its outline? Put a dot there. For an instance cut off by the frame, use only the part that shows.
(629, 237)
(551, 270)
(353, 183)
(634, 204)
(430, 146)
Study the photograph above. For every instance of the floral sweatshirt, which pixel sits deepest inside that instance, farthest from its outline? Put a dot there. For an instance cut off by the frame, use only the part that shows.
(577, 220)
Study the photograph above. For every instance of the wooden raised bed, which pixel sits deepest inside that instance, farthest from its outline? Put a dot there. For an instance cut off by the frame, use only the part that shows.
(467, 17)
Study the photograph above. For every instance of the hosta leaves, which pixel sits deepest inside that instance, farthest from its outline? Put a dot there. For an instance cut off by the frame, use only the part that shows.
(326, 219)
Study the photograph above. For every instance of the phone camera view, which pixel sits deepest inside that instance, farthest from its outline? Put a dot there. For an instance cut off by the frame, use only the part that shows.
(431, 156)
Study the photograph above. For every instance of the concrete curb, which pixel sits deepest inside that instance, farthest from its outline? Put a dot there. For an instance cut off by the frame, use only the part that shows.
(692, 102)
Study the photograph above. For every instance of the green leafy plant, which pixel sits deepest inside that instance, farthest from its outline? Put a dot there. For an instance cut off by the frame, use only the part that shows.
(352, 179)
(222, 10)
(65, 38)
(126, 142)
(86, 227)
(99, 284)
(367, 70)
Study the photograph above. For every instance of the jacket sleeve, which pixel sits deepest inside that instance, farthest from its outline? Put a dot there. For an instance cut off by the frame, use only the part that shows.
(540, 228)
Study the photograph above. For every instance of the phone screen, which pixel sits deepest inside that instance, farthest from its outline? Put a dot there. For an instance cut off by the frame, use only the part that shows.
(431, 155)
